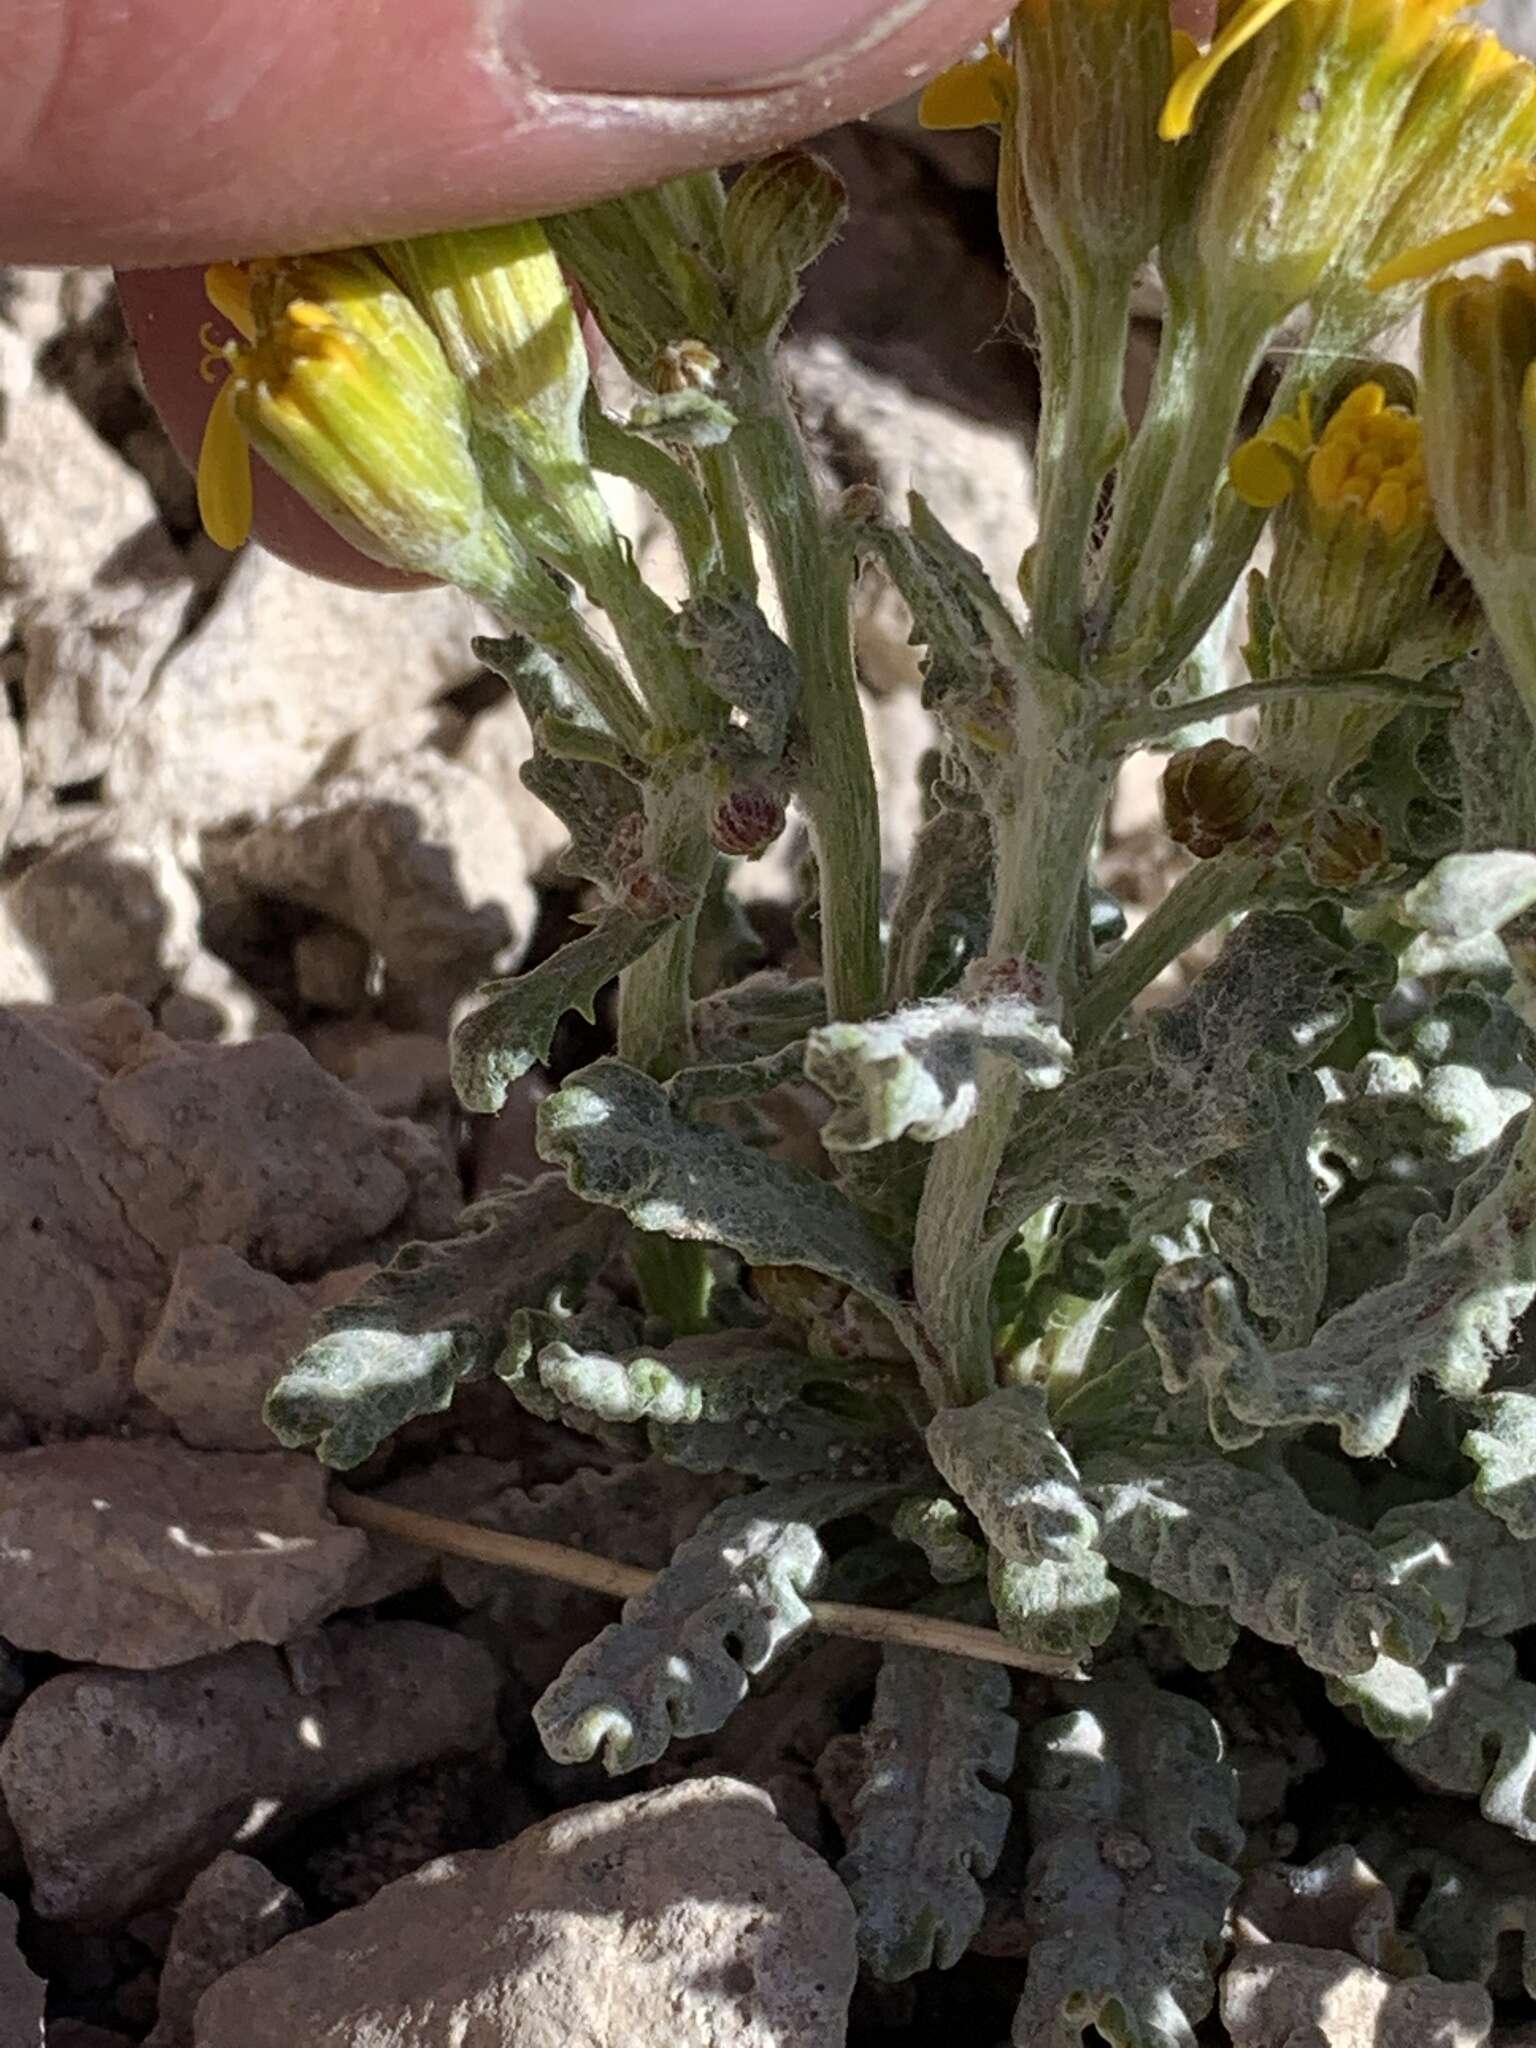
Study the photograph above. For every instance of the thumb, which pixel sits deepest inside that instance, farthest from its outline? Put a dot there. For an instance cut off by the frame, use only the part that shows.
(142, 132)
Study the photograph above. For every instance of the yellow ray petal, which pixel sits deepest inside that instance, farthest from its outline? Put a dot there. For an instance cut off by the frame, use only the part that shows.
(971, 95)
(224, 474)
(229, 291)
(1261, 475)
(1497, 231)
(1189, 87)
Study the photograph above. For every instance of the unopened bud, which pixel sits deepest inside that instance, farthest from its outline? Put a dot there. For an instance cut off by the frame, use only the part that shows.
(779, 216)
(650, 896)
(747, 822)
(685, 366)
(1345, 848)
(1215, 796)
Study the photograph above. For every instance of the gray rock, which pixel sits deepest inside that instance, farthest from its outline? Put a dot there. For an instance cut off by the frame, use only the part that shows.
(1278, 1994)
(418, 857)
(233, 1910)
(123, 1784)
(21, 1994)
(147, 1553)
(101, 914)
(283, 668)
(224, 1335)
(688, 1916)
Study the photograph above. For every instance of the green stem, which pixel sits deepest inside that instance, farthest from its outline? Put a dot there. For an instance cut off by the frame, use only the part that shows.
(1043, 830)
(722, 487)
(1089, 429)
(1156, 721)
(615, 702)
(1209, 894)
(673, 1275)
(837, 786)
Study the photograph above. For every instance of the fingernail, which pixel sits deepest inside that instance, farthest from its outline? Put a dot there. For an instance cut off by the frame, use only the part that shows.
(688, 47)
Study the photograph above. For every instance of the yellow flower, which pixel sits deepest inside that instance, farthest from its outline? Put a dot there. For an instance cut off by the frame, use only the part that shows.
(1514, 222)
(499, 306)
(1297, 151)
(342, 387)
(1400, 30)
(976, 94)
(1356, 548)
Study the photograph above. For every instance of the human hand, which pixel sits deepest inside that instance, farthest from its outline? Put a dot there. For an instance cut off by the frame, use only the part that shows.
(137, 133)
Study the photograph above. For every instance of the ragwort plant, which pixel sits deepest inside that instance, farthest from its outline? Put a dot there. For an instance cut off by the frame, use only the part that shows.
(1090, 1320)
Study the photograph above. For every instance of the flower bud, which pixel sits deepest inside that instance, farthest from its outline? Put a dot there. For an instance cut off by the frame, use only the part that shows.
(500, 308)
(1216, 796)
(1092, 78)
(1345, 848)
(651, 896)
(685, 366)
(780, 215)
(341, 385)
(746, 823)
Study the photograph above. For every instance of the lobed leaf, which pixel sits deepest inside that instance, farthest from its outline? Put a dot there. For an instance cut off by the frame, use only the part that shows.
(1134, 1815)
(436, 1315)
(515, 1024)
(744, 663)
(622, 1144)
(1473, 1571)
(1213, 1533)
(677, 1661)
(1503, 1448)
(916, 1073)
(925, 1824)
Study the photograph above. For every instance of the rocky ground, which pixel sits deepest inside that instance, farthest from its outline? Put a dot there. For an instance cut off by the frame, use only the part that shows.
(256, 836)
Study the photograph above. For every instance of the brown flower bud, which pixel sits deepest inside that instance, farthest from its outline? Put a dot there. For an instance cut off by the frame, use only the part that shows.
(746, 822)
(779, 216)
(1215, 796)
(651, 896)
(1345, 849)
(685, 366)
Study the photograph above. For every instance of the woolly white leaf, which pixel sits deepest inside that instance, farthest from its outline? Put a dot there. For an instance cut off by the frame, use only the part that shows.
(1049, 1581)
(514, 1025)
(916, 1073)
(1135, 1817)
(1473, 1571)
(925, 1825)
(1213, 1533)
(621, 1143)
(436, 1315)
(1503, 1449)
(1465, 1723)
(677, 1661)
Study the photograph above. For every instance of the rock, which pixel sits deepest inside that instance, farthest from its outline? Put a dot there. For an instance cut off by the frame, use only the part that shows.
(12, 779)
(1336, 1902)
(144, 1553)
(102, 914)
(689, 1916)
(453, 1486)
(255, 1147)
(283, 668)
(21, 1994)
(389, 1832)
(123, 1784)
(81, 2034)
(124, 1150)
(331, 966)
(233, 1910)
(398, 1073)
(419, 858)
(224, 1335)
(496, 748)
(90, 585)
(1280, 1995)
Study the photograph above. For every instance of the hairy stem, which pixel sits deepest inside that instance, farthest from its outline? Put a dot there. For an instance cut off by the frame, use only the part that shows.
(1209, 894)
(722, 487)
(1152, 722)
(837, 785)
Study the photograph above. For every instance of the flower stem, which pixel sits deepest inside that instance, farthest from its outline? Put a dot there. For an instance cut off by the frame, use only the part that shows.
(1152, 722)
(722, 487)
(1210, 893)
(837, 781)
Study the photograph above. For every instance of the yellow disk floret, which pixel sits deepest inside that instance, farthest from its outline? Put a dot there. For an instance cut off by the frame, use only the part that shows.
(1370, 461)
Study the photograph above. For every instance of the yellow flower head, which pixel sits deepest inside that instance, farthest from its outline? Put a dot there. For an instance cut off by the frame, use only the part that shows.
(976, 94)
(1356, 548)
(1297, 147)
(342, 387)
(498, 303)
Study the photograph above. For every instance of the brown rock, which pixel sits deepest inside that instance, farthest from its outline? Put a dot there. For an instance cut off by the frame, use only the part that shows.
(233, 1910)
(21, 1994)
(224, 1335)
(123, 1784)
(145, 1553)
(104, 914)
(689, 1916)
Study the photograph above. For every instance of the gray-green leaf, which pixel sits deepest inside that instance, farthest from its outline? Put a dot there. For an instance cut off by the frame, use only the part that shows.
(1135, 1817)
(925, 1825)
